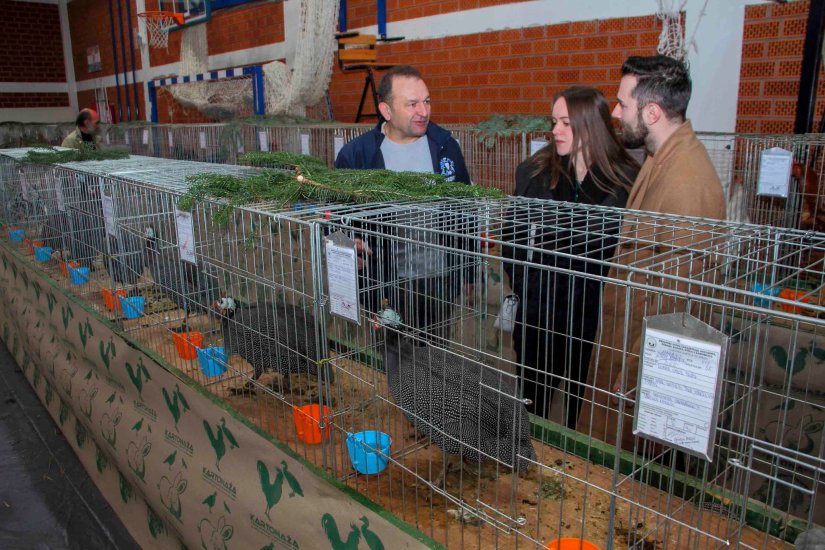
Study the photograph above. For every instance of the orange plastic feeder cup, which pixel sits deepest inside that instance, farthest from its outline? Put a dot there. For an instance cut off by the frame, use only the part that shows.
(312, 423)
(187, 344)
(571, 544)
(31, 245)
(111, 299)
(64, 268)
(795, 295)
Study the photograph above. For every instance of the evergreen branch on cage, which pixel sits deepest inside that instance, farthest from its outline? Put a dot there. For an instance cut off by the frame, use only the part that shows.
(489, 131)
(307, 179)
(49, 155)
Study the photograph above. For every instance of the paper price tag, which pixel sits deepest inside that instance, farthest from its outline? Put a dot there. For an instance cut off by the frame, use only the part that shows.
(304, 144)
(342, 276)
(537, 145)
(58, 191)
(145, 137)
(264, 140)
(109, 215)
(774, 172)
(338, 144)
(202, 139)
(186, 236)
(170, 139)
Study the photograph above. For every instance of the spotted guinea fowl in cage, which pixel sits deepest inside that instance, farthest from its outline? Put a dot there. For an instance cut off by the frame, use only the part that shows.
(187, 285)
(466, 408)
(277, 337)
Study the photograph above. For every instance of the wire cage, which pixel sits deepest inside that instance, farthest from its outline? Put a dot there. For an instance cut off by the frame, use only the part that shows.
(482, 381)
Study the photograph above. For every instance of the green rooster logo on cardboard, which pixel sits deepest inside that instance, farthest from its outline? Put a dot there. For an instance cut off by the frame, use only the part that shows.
(177, 403)
(219, 438)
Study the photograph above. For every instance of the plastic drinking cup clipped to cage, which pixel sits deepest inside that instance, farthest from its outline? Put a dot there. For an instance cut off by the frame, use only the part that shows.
(31, 245)
(17, 235)
(187, 344)
(571, 543)
(369, 451)
(767, 290)
(132, 306)
(311, 423)
(112, 299)
(79, 275)
(212, 361)
(43, 253)
(66, 266)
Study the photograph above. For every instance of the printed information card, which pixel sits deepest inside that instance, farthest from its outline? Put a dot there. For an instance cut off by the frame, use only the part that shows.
(678, 385)
(342, 277)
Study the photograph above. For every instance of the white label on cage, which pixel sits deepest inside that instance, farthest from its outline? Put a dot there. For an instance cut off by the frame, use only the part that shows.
(145, 137)
(240, 145)
(126, 138)
(109, 214)
(202, 139)
(342, 275)
(108, 139)
(678, 390)
(186, 236)
(170, 139)
(774, 172)
(58, 191)
(537, 145)
(338, 144)
(304, 144)
(264, 139)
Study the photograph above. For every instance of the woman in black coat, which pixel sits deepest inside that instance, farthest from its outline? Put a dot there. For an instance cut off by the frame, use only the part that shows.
(558, 312)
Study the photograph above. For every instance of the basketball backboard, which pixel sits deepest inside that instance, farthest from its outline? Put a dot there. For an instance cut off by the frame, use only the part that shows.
(194, 11)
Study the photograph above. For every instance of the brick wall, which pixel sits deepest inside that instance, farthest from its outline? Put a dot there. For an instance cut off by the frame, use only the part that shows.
(774, 37)
(512, 71)
(31, 50)
(362, 13)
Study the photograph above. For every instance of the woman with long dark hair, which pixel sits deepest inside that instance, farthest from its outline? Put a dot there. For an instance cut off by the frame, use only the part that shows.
(558, 311)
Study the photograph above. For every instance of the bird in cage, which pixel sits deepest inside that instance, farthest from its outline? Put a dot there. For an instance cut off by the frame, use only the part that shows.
(469, 410)
(185, 284)
(271, 337)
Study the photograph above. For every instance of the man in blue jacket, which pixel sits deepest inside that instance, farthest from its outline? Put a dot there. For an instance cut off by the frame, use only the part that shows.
(407, 264)
(413, 143)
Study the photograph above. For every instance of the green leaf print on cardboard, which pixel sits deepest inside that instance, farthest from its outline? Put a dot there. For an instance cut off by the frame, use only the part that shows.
(38, 290)
(170, 460)
(86, 400)
(125, 488)
(107, 352)
(35, 374)
(63, 412)
(108, 427)
(5, 262)
(138, 375)
(219, 439)
(170, 492)
(85, 330)
(136, 454)
(79, 433)
(177, 403)
(49, 395)
(214, 537)
(156, 526)
(210, 500)
(66, 313)
(334, 538)
(101, 460)
(50, 301)
(24, 276)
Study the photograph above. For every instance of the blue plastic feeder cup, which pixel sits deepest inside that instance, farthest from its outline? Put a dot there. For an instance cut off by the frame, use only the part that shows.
(212, 360)
(43, 253)
(132, 306)
(79, 275)
(764, 289)
(17, 235)
(364, 449)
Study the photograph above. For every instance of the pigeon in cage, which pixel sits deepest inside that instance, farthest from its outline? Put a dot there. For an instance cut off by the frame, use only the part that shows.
(185, 284)
(467, 409)
(277, 337)
(126, 262)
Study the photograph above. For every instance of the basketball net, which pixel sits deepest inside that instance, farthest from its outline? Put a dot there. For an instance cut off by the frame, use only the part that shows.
(157, 28)
(217, 99)
(672, 38)
(289, 90)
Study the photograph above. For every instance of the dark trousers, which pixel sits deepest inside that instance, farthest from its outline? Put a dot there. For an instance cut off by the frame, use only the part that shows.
(427, 305)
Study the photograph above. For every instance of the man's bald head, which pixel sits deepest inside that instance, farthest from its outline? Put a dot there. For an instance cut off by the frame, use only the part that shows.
(87, 121)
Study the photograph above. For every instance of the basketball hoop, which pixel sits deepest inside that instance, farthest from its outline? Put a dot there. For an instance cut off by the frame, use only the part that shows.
(158, 24)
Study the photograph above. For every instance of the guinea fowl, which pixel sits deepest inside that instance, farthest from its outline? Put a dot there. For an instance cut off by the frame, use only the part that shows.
(277, 337)
(466, 408)
(187, 285)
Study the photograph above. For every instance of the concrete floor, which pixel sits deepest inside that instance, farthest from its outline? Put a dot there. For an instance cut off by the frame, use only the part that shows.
(47, 500)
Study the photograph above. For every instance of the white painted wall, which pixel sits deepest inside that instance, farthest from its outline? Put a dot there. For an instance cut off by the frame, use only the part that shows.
(716, 25)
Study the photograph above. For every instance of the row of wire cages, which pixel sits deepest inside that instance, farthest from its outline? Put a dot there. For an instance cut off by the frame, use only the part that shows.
(473, 366)
(493, 159)
(20, 134)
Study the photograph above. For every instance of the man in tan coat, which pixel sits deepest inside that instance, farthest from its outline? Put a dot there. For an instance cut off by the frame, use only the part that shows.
(676, 178)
